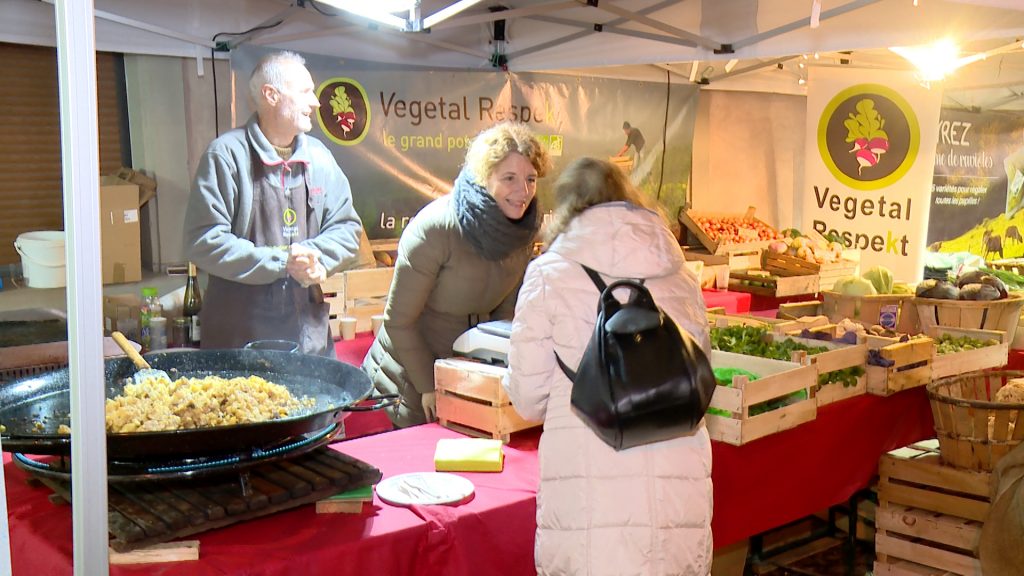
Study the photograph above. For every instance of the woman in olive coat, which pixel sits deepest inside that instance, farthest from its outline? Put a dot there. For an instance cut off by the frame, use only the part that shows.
(460, 262)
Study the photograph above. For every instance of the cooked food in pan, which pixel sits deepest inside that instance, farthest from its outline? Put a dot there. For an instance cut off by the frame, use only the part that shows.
(158, 404)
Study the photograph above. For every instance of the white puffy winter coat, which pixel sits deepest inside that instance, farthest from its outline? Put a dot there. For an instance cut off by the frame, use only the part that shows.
(645, 510)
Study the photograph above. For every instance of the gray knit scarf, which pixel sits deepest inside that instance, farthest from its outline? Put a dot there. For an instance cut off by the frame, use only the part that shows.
(482, 222)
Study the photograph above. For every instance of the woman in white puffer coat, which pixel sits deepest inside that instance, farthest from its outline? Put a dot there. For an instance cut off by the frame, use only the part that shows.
(645, 510)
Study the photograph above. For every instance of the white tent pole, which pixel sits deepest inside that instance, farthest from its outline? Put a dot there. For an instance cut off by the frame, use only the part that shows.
(5, 537)
(76, 65)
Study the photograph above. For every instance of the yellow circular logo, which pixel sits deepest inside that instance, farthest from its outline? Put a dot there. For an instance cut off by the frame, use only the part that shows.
(868, 136)
(290, 217)
(344, 113)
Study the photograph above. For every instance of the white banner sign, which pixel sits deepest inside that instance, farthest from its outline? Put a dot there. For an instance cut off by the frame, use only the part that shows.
(870, 151)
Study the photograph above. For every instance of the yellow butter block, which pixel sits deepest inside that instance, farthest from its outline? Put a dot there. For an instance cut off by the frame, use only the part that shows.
(468, 455)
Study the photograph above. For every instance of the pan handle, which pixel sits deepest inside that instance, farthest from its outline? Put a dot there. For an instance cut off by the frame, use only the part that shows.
(380, 401)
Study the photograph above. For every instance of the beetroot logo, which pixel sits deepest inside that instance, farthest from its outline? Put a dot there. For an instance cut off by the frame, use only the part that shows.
(344, 113)
(868, 136)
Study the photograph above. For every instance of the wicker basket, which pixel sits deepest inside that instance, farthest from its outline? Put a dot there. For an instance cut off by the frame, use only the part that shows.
(867, 310)
(974, 431)
(1000, 315)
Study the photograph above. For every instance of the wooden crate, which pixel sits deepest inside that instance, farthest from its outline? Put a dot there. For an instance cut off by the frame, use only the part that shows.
(828, 273)
(912, 368)
(697, 234)
(929, 515)
(839, 356)
(716, 320)
(360, 294)
(974, 314)
(777, 379)
(471, 399)
(954, 363)
(764, 283)
(739, 259)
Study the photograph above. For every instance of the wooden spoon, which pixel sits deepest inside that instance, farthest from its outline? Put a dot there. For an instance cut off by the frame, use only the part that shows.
(144, 369)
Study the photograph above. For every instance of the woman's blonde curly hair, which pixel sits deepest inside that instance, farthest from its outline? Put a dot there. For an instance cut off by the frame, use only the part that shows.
(588, 182)
(494, 144)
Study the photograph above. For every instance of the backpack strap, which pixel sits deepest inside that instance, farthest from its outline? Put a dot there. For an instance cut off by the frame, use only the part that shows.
(569, 372)
(595, 278)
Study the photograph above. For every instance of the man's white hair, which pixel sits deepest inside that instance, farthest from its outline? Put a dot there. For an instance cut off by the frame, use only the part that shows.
(271, 70)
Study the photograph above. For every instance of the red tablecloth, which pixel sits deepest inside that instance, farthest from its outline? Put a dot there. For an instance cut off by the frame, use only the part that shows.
(766, 483)
(734, 302)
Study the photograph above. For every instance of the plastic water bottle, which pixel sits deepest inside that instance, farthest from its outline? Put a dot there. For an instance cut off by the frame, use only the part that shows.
(150, 308)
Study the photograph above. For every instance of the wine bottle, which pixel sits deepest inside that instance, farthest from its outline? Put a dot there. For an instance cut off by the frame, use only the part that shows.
(191, 306)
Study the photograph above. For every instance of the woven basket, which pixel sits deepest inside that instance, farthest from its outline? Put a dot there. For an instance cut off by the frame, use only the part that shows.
(975, 314)
(867, 310)
(974, 431)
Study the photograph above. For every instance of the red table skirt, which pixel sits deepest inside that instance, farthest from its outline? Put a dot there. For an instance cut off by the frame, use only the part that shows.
(764, 484)
(733, 302)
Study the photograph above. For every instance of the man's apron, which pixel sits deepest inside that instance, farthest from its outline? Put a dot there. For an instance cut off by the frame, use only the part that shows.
(235, 314)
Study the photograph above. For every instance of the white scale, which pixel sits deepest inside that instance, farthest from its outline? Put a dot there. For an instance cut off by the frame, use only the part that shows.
(488, 341)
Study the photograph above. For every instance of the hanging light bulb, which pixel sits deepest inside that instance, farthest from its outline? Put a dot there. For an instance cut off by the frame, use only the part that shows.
(934, 61)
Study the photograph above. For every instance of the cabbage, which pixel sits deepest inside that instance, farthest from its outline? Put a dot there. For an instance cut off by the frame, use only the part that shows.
(881, 278)
(901, 288)
(854, 286)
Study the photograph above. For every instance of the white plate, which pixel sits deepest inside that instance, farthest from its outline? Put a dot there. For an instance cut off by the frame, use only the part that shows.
(424, 488)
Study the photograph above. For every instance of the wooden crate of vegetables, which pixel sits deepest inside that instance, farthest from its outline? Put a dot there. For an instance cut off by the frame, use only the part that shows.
(722, 234)
(798, 255)
(757, 397)
(961, 350)
(840, 364)
(898, 363)
(929, 515)
(765, 283)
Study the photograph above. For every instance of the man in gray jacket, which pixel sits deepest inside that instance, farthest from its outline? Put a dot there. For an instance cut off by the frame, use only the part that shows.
(270, 216)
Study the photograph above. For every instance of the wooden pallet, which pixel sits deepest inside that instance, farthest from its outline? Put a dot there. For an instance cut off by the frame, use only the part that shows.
(358, 294)
(930, 515)
(954, 363)
(471, 400)
(146, 513)
(777, 379)
(912, 368)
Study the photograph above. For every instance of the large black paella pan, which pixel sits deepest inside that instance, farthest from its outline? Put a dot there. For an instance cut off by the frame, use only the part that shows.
(32, 409)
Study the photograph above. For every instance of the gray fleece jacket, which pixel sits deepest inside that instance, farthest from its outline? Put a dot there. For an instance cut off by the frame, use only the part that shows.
(220, 207)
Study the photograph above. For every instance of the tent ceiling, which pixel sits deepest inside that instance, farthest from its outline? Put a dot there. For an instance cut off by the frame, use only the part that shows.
(636, 38)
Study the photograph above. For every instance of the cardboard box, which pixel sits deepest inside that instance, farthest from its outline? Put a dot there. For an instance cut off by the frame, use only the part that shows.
(119, 231)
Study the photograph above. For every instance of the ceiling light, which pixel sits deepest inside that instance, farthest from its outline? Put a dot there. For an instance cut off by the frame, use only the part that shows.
(448, 12)
(375, 12)
(936, 60)
(801, 81)
(693, 70)
(730, 65)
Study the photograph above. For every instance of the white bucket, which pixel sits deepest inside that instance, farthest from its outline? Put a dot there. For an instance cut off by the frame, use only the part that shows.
(42, 258)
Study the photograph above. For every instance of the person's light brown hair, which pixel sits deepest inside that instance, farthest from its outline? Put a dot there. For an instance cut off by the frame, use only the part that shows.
(588, 182)
(494, 144)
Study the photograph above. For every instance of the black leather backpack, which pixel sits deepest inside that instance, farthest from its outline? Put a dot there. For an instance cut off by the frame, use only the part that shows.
(640, 380)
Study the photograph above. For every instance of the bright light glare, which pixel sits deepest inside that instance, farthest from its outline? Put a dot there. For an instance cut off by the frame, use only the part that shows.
(934, 61)
(376, 12)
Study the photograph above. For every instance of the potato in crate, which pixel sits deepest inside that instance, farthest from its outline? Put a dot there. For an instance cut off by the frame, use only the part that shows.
(471, 399)
(744, 409)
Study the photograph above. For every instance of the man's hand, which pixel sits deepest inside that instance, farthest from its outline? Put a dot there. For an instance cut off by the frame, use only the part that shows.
(429, 406)
(304, 265)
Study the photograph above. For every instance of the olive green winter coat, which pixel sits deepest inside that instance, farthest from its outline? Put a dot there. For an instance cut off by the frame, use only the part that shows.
(442, 287)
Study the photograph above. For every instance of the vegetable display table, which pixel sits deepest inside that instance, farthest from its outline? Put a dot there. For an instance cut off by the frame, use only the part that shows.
(758, 486)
